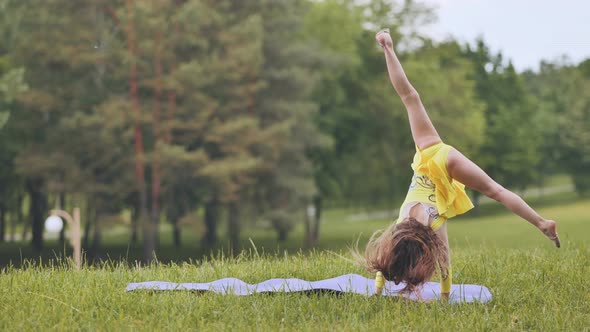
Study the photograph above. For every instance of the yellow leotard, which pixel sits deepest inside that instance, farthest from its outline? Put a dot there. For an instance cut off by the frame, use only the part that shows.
(432, 185)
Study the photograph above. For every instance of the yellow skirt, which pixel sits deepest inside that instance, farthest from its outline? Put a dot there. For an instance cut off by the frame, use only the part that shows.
(450, 198)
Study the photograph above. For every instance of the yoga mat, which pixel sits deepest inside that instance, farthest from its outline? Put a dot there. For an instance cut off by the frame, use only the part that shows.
(348, 283)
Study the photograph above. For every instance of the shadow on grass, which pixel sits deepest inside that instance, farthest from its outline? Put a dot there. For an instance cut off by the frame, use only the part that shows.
(21, 255)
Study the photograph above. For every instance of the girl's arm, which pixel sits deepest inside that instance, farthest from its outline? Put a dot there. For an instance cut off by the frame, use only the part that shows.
(423, 130)
(446, 275)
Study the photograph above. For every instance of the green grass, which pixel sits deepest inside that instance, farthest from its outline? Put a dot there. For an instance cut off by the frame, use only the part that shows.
(540, 289)
(535, 286)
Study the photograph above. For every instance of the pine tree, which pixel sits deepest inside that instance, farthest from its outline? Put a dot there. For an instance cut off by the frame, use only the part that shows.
(287, 112)
(59, 65)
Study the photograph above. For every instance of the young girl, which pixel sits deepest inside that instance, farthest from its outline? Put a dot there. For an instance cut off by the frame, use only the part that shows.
(412, 247)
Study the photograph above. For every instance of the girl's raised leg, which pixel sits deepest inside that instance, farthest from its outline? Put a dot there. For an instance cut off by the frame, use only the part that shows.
(423, 130)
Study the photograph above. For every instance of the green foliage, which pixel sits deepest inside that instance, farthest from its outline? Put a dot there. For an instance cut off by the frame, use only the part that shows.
(4, 118)
(561, 91)
(512, 129)
(439, 72)
(584, 68)
(575, 132)
(335, 26)
(11, 85)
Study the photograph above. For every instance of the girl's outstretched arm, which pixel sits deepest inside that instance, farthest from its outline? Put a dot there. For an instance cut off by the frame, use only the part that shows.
(446, 274)
(423, 130)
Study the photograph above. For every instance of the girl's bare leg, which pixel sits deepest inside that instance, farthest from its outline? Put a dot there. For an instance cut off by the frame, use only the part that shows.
(423, 130)
(467, 172)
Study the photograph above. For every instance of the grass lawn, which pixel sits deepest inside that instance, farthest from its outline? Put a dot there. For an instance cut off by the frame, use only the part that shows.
(535, 286)
(533, 290)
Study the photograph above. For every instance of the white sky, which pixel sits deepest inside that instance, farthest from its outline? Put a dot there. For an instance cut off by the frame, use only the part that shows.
(526, 31)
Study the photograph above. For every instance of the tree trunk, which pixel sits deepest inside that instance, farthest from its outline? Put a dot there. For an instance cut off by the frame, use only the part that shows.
(62, 205)
(26, 225)
(89, 221)
(171, 109)
(134, 224)
(233, 227)
(312, 223)
(156, 178)
(212, 214)
(307, 230)
(283, 234)
(173, 215)
(94, 251)
(38, 212)
(16, 217)
(149, 241)
(149, 244)
(2, 223)
(176, 232)
(155, 213)
(317, 219)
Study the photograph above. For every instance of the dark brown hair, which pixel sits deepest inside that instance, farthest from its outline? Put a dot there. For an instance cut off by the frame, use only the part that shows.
(405, 252)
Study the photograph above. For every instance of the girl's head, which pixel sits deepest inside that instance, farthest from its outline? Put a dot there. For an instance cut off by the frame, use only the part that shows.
(406, 252)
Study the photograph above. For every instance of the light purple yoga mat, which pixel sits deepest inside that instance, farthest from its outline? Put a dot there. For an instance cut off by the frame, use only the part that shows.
(352, 283)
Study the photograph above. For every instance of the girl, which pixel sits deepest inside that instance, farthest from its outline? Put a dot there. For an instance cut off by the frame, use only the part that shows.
(412, 247)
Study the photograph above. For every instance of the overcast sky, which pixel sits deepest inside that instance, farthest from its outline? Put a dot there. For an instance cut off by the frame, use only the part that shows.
(526, 31)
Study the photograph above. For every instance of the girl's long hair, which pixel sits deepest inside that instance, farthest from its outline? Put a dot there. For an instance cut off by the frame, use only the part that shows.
(405, 252)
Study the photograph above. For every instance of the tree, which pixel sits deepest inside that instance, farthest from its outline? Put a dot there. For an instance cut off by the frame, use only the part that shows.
(550, 92)
(39, 110)
(561, 94)
(575, 132)
(509, 152)
(285, 184)
(65, 106)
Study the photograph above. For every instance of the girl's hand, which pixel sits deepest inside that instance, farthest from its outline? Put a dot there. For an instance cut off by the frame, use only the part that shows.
(383, 38)
(549, 228)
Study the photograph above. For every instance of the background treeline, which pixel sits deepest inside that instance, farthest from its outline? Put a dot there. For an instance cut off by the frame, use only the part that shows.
(236, 113)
